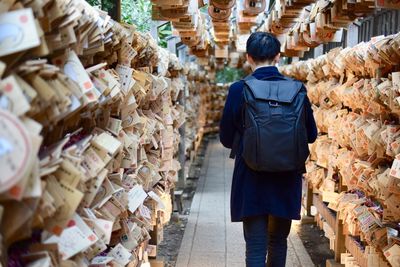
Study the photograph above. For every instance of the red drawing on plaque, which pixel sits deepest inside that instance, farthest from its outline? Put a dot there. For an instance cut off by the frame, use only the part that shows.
(90, 96)
(92, 237)
(15, 191)
(24, 18)
(87, 85)
(57, 230)
(329, 35)
(8, 88)
(71, 223)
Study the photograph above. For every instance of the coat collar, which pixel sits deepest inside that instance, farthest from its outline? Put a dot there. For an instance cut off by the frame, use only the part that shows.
(266, 72)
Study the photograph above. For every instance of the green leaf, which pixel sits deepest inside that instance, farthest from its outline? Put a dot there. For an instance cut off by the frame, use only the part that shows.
(164, 31)
(137, 12)
(106, 5)
(94, 2)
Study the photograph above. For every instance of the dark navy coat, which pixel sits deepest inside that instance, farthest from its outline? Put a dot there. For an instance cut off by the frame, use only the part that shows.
(260, 193)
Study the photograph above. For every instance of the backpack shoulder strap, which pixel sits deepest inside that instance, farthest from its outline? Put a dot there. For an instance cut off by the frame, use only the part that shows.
(237, 137)
(249, 78)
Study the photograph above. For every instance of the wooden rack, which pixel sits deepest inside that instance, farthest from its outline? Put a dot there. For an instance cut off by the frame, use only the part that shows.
(333, 221)
(356, 251)
(343, 242)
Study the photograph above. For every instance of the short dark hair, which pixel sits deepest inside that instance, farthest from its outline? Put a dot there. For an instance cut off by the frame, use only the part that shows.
(262, 46)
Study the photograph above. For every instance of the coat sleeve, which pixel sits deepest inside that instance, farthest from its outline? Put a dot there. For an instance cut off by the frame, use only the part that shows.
(312, 131)
(228, 123)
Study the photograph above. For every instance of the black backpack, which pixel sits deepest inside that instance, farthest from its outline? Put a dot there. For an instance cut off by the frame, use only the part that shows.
(274, 118)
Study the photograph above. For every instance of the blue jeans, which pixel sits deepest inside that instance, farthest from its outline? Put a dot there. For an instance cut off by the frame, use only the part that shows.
(266, 234)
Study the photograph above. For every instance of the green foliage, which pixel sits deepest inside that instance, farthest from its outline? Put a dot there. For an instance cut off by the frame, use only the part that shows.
(164, 31)
(93, 2)
(229, 75)
(137, 12)
(106, 5)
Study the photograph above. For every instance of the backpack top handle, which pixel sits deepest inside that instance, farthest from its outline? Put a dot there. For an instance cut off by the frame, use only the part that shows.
(283, 91)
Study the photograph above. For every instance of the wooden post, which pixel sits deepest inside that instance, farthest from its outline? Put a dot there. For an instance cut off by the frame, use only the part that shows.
(309, 199)
(340, 246)
(307, 218)
(118, 10)
(115, 12)
(342, 187)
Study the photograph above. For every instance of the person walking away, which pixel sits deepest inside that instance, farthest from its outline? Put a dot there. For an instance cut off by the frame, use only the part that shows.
(267, 122)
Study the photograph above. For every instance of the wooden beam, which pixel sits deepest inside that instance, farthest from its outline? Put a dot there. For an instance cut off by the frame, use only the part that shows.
(309, 198)
(339, 239)
(118, 7)
(115, 11)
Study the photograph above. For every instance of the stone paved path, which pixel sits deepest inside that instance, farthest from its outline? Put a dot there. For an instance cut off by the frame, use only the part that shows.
(211, 239)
